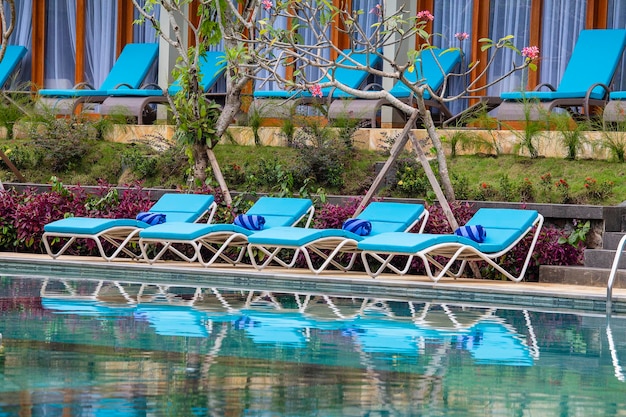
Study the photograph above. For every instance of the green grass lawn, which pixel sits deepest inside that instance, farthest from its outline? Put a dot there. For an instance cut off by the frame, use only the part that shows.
(263, 168)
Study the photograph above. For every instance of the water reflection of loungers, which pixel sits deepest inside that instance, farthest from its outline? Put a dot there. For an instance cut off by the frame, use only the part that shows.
(374, 326)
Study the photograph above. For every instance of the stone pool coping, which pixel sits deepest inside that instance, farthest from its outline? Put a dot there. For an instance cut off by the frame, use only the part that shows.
(531, 295)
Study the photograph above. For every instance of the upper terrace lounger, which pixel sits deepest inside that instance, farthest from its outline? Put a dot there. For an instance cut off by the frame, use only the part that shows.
(219, 238)
(120, 232)
(12, 57)
(129, 70)
(431, 68)
(505, 229)
(136, 102)
(281, 103)
(585, 82)
(329, 243)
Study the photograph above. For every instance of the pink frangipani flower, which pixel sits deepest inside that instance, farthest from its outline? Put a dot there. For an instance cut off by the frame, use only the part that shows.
(461, 36)
(316, 90)
(530, 52)
(425, 14)
(267, 4)
(377, 10)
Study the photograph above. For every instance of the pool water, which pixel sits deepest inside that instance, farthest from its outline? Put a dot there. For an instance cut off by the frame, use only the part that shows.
(101, 348)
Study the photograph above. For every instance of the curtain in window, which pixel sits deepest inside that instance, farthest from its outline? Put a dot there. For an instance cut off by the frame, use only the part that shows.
(367, 18)
(22, 35)
(60, 54)
(617, 20)
(270, 84)
(562, 22)
(100, 36)
(508, 17)
(145, 32)
(452, 17)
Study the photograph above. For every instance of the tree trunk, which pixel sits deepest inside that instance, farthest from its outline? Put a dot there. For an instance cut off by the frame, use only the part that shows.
(441, 156)
(200, 162)
(217, 172)
(445, 206)
(396, 149)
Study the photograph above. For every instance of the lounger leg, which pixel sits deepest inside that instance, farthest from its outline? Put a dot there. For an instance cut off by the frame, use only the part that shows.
(60, 252)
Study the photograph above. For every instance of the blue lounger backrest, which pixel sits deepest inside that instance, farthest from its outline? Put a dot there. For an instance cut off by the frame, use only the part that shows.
(212, 65)
(183, 207)
(391, 217)
(132, 66)
(12, 57)
(594, 59)
(351, 77)
(279, 211)
(426, 68)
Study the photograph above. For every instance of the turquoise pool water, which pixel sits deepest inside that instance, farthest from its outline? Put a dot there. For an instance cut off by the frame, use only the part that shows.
(101, 348)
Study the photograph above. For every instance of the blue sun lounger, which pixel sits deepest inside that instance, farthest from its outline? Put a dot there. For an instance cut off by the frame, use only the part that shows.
(505, 228)
(329, 243)
(432, 68)
(280, 103)
(129, 70)
(12, 57)
(119, 233)
(136, 102)
(218, 239)
(585, 82)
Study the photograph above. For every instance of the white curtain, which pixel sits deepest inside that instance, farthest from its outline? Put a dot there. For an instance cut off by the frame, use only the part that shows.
(617, 20)
(366, 19)
(508, 17)
(562, 21)
(270, 84)
(60, 54)
(100, 38)
(452, 17)
(22, 35)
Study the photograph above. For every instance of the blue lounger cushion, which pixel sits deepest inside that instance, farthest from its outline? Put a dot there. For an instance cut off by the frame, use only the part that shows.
(269, 208)
(411, 243)
(588, 66)
(618, 95)
(87, 225)
(130, 69)
(12, 57)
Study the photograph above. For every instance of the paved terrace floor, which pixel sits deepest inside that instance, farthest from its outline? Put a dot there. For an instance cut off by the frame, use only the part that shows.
(530, 295)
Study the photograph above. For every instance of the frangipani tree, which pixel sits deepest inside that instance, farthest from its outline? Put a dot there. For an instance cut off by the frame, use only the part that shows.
(7, 26)
(264, 41)
(393, 29)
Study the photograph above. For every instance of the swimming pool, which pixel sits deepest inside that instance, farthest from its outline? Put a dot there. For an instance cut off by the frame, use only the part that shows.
(98, 348)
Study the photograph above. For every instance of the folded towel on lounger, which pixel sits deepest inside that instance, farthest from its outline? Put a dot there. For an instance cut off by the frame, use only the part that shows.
(151, 218)
(475, 232)
(250, 221)
(358, 226)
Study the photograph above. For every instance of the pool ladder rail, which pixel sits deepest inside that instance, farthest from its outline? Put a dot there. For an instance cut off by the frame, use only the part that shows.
(611, 281)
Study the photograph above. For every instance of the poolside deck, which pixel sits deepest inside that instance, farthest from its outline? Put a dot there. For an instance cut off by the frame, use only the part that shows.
(542, 296)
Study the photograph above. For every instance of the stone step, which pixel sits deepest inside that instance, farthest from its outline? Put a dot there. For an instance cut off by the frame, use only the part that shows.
(580, 275)
(610, 240)
(603, 258)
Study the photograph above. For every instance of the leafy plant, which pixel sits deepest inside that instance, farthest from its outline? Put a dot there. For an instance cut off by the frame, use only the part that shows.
(572, 136)
(614, 140)
(578, 235)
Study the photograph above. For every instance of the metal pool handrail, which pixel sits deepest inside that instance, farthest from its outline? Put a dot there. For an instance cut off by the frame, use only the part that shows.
(609, 285)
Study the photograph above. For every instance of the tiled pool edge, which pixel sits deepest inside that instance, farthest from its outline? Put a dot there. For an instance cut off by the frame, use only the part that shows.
(521, 295)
